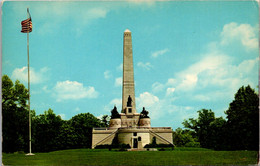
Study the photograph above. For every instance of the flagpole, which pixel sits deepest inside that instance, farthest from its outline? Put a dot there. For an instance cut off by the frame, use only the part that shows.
(28, 62)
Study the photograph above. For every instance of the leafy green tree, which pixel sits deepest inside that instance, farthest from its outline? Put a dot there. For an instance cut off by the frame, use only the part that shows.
(218, 134)
(185, 138)
(209, 130)
(201, 126)
(83, 124)
(243, 120)
(13, 95)
(49, 131)
(47, 128)
(15, 115)
(67, 138)
(53, 133)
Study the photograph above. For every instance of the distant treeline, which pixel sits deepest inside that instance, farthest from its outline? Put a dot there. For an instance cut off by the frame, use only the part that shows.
(49, 132)
(239, 131)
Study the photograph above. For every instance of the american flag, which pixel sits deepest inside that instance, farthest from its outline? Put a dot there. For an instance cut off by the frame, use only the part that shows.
(27, 24)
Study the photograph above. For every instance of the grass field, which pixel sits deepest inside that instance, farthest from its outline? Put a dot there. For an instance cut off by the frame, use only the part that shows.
(180, 156)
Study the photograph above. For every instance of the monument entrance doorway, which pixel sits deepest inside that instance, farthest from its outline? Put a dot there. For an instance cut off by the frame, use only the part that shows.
(135, 143)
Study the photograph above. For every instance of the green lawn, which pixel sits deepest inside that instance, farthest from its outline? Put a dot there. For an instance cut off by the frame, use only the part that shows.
(180, 156)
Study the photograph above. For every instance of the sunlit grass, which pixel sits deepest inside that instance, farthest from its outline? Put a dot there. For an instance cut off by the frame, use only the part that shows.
(180, 156)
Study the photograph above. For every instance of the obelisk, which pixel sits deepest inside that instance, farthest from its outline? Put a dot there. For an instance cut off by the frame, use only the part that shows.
(128, 76)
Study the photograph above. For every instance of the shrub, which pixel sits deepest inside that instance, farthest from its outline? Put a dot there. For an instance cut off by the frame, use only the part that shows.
(106, 146)
(161, 149)
(192, 144)
(122, 149)
(19, 152)
(158, 145)
(125, 146)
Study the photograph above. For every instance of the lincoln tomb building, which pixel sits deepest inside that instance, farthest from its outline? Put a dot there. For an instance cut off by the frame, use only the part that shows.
(129, 126)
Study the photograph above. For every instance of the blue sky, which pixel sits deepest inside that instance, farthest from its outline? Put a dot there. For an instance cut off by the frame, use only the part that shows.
(187, 55)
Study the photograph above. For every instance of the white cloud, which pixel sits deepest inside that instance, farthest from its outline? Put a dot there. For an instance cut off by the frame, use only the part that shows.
(159, 53)
(169, 91)
(120, 67)
(115, 102)
(244, 33)
(97, 12)
(217, 69)
(202, 97)
(46, 89)
(35, 76)
(46, 28)
(151, 103)
(86, 16)
(147, 99)
(247, 65)
(77, 109)
(118, 81)
(143, 2)
(182, 112)
(210, 61)
(214, 72)
(73, 90)
(157, 87)
(214, 78)
(210, 64)
(57, 13)
(158, 108)
(171, 81)
(231, 76)
(107, 74)
(188, 82)
(146, 65)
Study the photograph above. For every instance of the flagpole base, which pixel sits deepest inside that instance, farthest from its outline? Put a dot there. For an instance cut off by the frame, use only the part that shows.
(30, 154)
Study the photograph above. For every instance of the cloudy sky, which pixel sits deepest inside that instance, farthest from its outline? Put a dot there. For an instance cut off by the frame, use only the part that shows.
(187, 55)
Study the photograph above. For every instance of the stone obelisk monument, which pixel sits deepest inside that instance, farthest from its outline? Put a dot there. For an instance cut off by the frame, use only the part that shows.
(130, 127)
(128, 97)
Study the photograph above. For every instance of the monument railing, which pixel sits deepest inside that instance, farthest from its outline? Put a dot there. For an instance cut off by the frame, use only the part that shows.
(111, 128)
(102, 128)
(145, 127)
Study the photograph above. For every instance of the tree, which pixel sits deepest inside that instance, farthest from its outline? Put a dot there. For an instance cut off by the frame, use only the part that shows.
(218, 134)
(243, 120)
(13, 95)
(49, 131)
(67, 138)
(47, 128)
(201, 126)
(53, 133)
(15, 115)
(83, 124)
(185, 138)
(208, 129)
